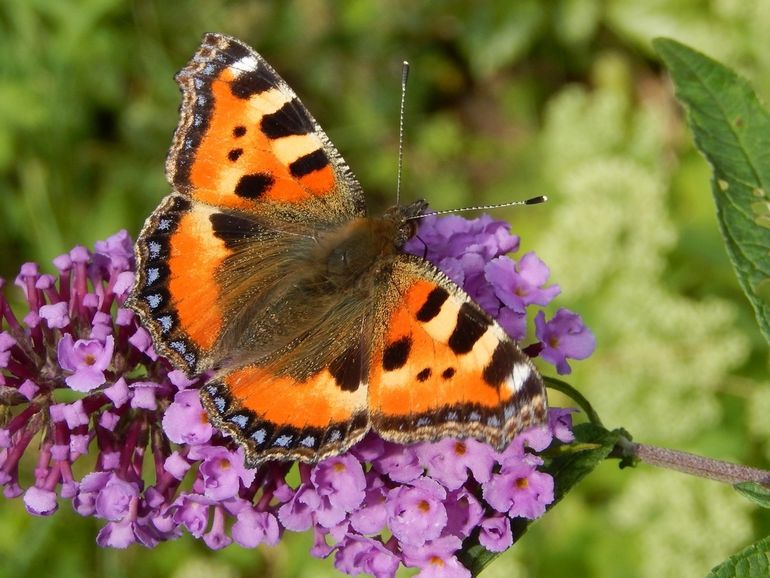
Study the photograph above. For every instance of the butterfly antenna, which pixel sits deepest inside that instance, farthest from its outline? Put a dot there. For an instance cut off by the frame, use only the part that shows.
(533, 201)
(404, 78)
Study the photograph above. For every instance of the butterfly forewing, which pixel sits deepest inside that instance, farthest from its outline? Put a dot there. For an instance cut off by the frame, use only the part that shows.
(246, 150)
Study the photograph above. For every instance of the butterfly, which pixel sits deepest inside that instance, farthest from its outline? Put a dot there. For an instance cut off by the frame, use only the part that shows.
(263, 267)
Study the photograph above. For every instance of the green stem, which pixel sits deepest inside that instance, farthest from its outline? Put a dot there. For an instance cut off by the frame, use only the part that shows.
(575, 396)
(718, 470)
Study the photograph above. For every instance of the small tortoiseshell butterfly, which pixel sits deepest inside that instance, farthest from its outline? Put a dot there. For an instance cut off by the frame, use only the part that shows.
(263, 267)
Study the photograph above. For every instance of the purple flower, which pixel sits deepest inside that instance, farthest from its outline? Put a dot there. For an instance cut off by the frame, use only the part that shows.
(449, 460)
(88, 358)
(521, 284)
(372, 515)
(436, 559)
(144, 395)
(297, 512)
(339, 482)
(118, 392)
(126, 532)
(398, 463)
(90, 486)
(40, 502)
(416, 512)
(253, 528)
(514, 324)
(222, 471)
(176, 465)
(464, 512)
(216, 538)
(496, 534)
(6, 342)
(28, 389)
(114, 500)
(560, 423)
(116, 535)
(192, 511)
(362, 555)
(519, 490)
(116, 252)
(564, 336)
(55, 315)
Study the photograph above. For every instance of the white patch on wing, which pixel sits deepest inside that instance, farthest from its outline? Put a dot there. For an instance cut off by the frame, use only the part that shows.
(519, 375)
(245, 64)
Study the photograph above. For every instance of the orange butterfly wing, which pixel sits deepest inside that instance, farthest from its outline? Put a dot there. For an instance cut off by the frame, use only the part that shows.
(279, 417)
(245, 145)
(442, 367)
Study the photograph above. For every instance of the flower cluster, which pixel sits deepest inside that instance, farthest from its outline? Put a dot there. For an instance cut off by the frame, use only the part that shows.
(81, 384)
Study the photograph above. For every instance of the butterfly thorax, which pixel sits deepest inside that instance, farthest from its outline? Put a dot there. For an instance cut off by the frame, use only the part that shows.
(351, 251)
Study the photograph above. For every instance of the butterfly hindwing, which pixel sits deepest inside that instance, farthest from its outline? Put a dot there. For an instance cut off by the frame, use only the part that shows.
(441, 366)
(281, 417)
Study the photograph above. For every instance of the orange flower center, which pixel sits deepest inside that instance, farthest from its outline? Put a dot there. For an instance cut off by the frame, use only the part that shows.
(424, 506)
(522, 483)
(460, 449)
(554, 342)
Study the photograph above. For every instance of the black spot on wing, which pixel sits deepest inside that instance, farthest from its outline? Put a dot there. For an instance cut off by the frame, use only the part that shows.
(290, 119)
(239, 131)
(254, 186)
(234, 154)
(233, 228)
(432, 305)
(308, 163)
(424, 374)
(396, 354)
(448, 373)
(471, 325)
(347, 369)
(252, 82)
(501, 364)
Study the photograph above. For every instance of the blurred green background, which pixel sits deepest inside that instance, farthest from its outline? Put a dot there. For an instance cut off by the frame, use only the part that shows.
(507, 100)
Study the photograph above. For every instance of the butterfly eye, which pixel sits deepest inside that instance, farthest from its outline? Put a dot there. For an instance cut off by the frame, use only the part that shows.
(338, 257)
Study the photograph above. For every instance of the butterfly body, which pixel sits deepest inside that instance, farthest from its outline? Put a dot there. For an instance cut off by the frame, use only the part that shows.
(263, 267)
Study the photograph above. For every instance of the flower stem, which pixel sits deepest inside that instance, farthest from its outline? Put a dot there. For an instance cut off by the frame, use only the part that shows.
(718, 470)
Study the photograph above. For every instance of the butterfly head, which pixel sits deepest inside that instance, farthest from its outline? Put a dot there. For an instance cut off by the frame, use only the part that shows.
(404, 218)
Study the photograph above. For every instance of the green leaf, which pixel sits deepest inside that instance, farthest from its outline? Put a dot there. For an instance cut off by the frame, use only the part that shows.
(755, 492)
(732, 130)
(592, 445)
(752, 562)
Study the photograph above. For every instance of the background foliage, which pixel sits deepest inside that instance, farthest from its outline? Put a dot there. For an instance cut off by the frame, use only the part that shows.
(507, 100)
